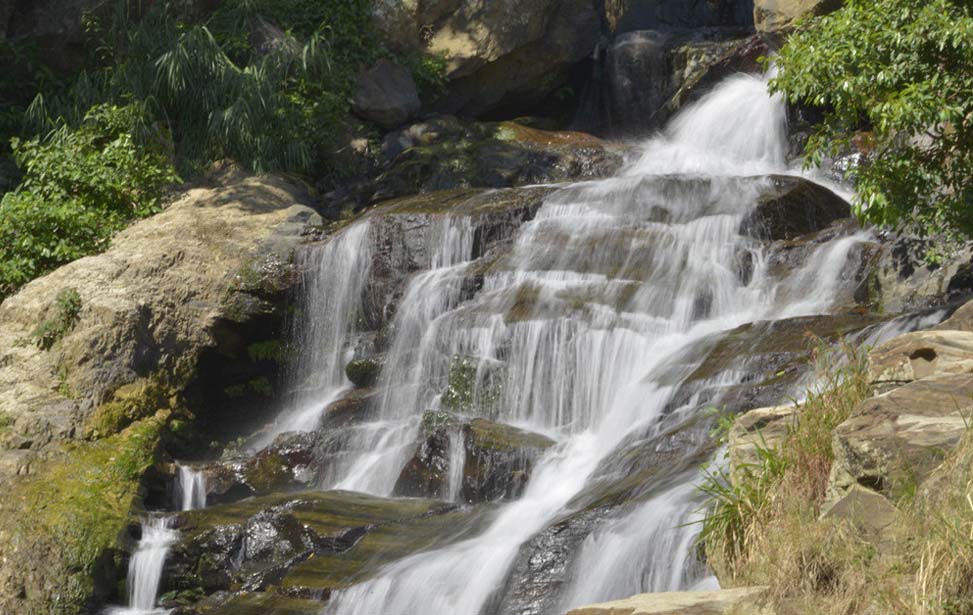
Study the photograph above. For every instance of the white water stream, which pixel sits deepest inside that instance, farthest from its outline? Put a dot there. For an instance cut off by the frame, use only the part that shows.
(145, 567)
(191, 488)
(605, 290)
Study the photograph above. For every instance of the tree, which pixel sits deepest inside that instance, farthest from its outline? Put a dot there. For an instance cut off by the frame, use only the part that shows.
(902, 70)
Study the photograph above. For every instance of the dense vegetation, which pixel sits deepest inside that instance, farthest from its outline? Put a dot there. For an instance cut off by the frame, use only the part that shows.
(265, 83)
(896, 77)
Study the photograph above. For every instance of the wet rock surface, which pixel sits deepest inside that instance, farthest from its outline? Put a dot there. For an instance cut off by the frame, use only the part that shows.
(446, 153)
(496, 459)
(793, 207)
(301, 545)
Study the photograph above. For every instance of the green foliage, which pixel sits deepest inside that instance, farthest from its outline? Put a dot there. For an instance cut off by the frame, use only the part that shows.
(904, 69)
(67, 306)
(80, 186)
(429, 73)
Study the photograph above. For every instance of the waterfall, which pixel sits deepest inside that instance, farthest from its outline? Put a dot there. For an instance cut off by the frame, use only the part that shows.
(610, 286)
(191, 488)
(145, 567)
(456, 457)
(376, 450)
(334, 277)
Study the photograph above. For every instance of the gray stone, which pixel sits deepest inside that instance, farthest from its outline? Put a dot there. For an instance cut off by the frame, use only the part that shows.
(870, 513)
(919, 354)
(738, 601)
(386, 95)
(794, 207)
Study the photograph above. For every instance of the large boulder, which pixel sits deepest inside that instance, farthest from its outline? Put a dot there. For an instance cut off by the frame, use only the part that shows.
(160, 330)
(905, 278)
(778, 16)
(740, 601)
(892, 442)
(502, 56)
(793, 207)
(386, 95)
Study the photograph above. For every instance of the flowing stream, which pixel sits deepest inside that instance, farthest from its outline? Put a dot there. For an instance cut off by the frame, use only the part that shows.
(611, 287)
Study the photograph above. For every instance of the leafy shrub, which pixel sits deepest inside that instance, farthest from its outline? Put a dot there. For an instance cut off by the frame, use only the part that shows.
(67, 306)
(901, 69)
(80, 186)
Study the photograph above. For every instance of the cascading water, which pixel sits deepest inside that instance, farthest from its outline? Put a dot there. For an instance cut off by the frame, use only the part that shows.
(377, 449)
(191, 488)
(334, 277)
(611, 285)
(145, 567)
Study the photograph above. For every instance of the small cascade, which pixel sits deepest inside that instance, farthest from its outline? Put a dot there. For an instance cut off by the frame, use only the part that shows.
(456, 458)
(414, 372)
(190, 488)
(642, 551)
(145, 567)
(334, 277)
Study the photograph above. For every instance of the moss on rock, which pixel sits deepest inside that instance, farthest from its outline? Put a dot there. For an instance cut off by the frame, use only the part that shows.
(70, 515)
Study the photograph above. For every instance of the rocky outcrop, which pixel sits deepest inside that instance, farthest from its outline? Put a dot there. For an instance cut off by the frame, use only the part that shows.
(772, 355)
(904, 278)
(502, 57)
(158, 337)
(737, 601)
(916, 355)
(893, 441)
(793, 207)
(496, 459)
(646, 76)
(386, 94)
(445, 153)
(777, 17)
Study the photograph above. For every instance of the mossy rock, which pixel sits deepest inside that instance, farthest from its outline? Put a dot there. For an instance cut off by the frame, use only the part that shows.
(359, 533)
(70, 515)
(363, 373)
(130, 402)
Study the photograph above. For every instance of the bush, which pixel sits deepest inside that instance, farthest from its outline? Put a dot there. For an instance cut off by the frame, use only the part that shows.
(902, 69)
(80, 186)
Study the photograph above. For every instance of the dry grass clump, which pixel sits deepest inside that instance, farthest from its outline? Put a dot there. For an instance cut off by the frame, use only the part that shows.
(765, 527)
(942, 518)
